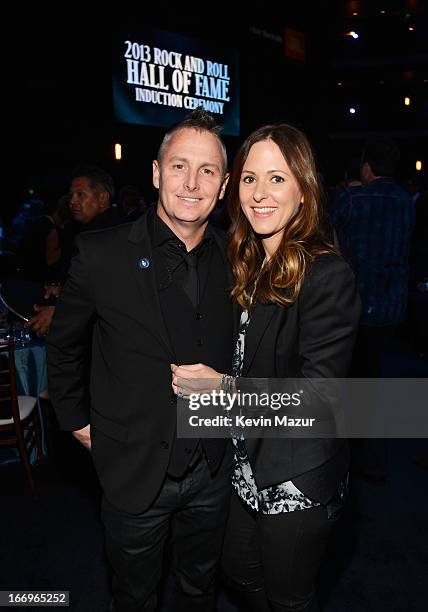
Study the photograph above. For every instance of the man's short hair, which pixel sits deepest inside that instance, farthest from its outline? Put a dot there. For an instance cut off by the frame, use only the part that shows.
(383, 156)
(97, 177)
(353, 169)
(199, 120)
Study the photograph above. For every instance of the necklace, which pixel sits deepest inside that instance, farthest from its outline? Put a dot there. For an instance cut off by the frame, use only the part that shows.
(253, 291)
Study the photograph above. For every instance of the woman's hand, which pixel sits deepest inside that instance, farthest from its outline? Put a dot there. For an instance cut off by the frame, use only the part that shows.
(194, 378)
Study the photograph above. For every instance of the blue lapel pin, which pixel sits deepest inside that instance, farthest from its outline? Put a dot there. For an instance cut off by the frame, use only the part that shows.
(144, 263)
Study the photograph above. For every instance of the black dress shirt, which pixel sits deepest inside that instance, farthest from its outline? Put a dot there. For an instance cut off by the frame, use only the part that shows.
(171, 252)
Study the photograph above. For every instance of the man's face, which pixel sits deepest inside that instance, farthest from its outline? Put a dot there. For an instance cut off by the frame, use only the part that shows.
(85, 201)
(190, 178)
(366, 174)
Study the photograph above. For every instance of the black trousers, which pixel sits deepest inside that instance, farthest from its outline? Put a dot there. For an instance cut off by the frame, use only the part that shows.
(273, 559)
(194, 511)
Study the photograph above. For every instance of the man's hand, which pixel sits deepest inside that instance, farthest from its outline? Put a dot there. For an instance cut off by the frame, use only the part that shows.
(84, 436)
(52, 291)
(41, 322)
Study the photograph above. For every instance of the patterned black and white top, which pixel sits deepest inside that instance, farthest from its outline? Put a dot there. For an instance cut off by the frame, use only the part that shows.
(284, 497)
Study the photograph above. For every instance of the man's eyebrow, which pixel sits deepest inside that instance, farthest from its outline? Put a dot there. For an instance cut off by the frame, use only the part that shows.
(177, 158)
(203, 164)
(209, 164)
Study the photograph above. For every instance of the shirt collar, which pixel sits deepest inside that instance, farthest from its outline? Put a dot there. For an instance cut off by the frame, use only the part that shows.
(162, 233)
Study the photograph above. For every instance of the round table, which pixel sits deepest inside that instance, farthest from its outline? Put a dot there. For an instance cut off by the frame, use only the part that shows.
(31, 379)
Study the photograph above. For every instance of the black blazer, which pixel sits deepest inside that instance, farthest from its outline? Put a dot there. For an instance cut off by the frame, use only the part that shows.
(313, 338)
(111, 296)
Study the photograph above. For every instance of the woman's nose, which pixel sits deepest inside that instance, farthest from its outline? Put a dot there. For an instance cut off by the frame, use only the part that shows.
(260, 192)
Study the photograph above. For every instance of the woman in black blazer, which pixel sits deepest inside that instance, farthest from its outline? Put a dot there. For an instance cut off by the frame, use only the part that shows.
(299, 318)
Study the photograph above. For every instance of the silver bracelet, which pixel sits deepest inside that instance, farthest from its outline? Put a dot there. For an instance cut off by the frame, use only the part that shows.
(227, 383)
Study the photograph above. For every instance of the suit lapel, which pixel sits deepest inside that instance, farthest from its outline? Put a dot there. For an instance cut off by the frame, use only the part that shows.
(148, 280)
(221, 243)
(142, 266)
(260, 319)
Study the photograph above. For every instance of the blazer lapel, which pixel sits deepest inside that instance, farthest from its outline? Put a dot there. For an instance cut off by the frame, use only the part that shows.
(146, 279)
(260, 319)
(221, 243)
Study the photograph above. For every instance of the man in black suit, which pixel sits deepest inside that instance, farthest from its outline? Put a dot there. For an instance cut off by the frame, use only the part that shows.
(151, 294)
(90, 196)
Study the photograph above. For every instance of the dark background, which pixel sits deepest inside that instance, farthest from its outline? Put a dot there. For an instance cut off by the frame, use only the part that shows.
(62, 99)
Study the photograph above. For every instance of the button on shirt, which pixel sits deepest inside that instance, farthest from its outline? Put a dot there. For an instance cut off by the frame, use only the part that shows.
(172, 252)
(170, 255)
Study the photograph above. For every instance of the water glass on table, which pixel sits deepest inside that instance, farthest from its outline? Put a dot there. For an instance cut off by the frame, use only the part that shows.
(21, 336)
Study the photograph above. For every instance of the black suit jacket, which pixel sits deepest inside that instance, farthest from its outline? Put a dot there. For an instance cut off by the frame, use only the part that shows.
(313, 338)
(111, 296)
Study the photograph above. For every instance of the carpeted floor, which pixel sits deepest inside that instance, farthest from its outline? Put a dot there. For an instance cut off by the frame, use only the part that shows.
(377, 559)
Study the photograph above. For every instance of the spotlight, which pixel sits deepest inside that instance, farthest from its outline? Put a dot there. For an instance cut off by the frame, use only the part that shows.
(118, 151)
(406, 101)
(352, 110)
(418, 165)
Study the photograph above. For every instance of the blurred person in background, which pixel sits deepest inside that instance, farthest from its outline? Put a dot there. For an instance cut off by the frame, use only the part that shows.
(59, 242)
(131, 203)
(90, 198)
(41, 247)
(374, 225)
(29, 212)
(418, 297)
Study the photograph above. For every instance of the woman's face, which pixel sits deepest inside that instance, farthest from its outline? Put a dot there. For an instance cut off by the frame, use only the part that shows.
(268, 192)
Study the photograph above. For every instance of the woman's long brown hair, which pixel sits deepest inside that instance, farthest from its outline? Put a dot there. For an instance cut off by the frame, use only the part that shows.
(279, 281)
